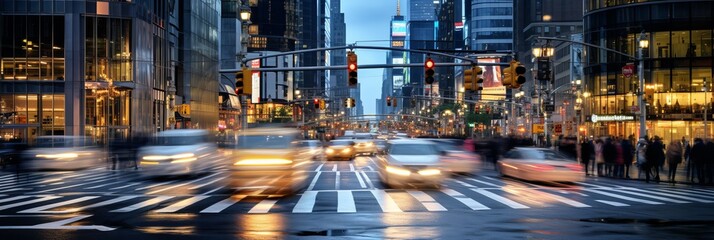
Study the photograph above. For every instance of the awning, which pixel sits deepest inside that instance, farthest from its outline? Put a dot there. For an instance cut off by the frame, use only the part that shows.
(180, 117)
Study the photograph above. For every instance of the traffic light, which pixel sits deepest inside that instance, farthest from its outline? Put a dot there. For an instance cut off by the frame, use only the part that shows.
(429, 70)
(543, 69)
(351, 69)
(349, 103)
(322, 104)
(517, 77)
(469, 83)
(389, 101)
(244, 81)
(508, 76)
(478, 72)
(394, 102)
(316, 102)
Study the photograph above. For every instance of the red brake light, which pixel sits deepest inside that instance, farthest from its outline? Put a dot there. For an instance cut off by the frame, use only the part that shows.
(575, 167)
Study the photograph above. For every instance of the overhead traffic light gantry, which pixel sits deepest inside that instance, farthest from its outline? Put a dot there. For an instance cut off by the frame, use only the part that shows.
(429, 71)
(351, 69)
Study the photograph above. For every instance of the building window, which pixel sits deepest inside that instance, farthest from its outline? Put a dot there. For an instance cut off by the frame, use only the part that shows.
(32, 47)
(108, 49)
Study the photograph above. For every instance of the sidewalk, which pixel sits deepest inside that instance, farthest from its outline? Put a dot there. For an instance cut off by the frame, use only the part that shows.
(635, 174)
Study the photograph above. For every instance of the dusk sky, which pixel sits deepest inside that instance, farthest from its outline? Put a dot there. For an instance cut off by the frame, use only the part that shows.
(368, 25)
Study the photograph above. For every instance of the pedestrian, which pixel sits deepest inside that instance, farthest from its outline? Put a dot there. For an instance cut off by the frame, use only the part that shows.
(609, 153)
(619, 159)
(674, 157)
(586, 151)
(599, 160)
(642, 157)
(698, 157)
(627, 155)
(655, 156)
(709, 162)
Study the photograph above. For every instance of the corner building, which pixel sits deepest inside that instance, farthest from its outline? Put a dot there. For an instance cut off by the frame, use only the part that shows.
(677, 63)
(97, 68)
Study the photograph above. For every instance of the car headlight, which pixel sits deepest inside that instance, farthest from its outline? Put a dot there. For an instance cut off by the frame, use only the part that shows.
(398, 171)
(58, 156)
(330, 151)
(346, 150)
(429, 172)
(177, 158)
(269, 161)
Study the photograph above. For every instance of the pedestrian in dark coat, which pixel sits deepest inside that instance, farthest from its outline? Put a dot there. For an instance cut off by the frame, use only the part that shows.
(609, 153)
(586, 151)
(698, 157)
(674, 157)
(709, 162)
(627, 156)
(655, 156)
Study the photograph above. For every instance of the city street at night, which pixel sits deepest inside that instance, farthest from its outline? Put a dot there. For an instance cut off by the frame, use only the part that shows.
(346, 199)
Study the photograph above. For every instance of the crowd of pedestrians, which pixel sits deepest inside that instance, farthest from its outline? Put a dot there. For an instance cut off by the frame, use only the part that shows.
(613, 157)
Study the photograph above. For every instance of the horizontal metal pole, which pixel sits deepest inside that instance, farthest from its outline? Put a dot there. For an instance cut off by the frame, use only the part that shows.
(366, 66)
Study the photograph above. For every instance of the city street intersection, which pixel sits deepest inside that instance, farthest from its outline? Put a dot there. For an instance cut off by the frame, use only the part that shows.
(345, 198)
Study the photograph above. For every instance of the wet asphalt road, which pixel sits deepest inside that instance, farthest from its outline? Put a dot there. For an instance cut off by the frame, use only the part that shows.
(346, 200)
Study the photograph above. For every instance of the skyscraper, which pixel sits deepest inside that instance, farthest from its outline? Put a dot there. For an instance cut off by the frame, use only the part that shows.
(491, 25)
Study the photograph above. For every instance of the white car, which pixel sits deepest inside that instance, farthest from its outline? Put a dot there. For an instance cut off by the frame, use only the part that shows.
(63, 153)
(540, 164)
(314, 149)
(178, 152)
(411, 162)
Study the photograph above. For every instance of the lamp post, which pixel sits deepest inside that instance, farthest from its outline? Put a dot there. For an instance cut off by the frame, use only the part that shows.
(244, 14)
(544, 51)
(706, 107)
(643, 43)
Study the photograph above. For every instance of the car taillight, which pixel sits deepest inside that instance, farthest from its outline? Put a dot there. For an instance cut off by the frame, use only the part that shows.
(541, 167)
(574, 167)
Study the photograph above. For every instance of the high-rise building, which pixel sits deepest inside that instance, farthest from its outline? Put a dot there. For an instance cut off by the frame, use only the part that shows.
(421, 10)
(421, 34)
(338, 78)
(97, 68)
(491, 25)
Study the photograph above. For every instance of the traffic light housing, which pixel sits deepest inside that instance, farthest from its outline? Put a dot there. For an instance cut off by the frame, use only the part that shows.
(349, 103)
(508, 76)
(513, 76)
(389, 101)
(316, 102)
(351, 69)
(543, 69)
(244, 81)
(394, 102)
(322, 104)
(478, 72)
(429, 71)
(469, 80)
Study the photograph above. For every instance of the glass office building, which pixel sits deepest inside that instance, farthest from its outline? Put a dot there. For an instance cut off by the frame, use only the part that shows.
(678, 62)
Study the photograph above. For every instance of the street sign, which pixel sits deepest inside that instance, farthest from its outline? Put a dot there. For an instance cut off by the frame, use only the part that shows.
(549, 108)
(558, 128)
(538, 128)
(628, 70)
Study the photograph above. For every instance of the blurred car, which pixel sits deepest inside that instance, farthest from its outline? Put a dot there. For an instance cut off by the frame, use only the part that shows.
(381, 146)
(539, 164)
(63, 153)
(313, 148)
(365, 146)
(455, 158)
(178, 152)
(340, 149)
(269, 159)
(411, 162)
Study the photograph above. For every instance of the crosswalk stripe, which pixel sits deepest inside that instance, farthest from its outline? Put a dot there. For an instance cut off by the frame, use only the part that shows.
(334, 167)
(559, 198)
(223, 204)
(345, 201)
(611, 203)
(211, 191)
(359, 179)
(41, 209)
(180, 185)
(352, 167)
(463, 183)
(473, 204)
(508, 202)
(484, 182)
(653, 191)
(125, 186)
(206, 183)
(592, 185)
(102, 185)
(319, 167)
(110, 202)
(681, 192)
(306, 202)
(385, 201)
(13, 198)
(155, 185)
(706, 190)
(367, 180)
(13, 189)
(45, 198)
(263, 206)
(649, 196)
(314, 181)
(75, 185)
(337, 180)
(622, 197)
(426, 200)
(696, 191)
(143, 204)
(181, 204)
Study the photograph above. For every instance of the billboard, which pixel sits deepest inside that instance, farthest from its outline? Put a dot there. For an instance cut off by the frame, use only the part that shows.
(398, 81)
(255, 94)
(399, 28)
(493, 89)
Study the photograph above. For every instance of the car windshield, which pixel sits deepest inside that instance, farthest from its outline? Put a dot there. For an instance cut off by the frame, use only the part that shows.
(178, 140)
(340, 143)
(264, 142)
(63, 142)
(412, 149)
(539, 154)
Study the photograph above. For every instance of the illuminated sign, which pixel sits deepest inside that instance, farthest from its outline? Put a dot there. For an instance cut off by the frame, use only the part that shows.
(611, 118)
(255, 94)
(397, 43)
(397, 60)
(399, 29)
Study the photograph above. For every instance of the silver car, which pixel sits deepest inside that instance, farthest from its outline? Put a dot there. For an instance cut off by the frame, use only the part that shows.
(63, 153)
(178, 152)
(411, 162)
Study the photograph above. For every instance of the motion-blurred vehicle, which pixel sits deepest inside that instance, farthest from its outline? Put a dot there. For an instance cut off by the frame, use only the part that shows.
(340, 149)
(11, 153)
(539, 164)
(381, 146)
(268, 159)
(63, 153)
(365, 146)
(455, 158)
(411, 162)
(178, 152)
(313, 149)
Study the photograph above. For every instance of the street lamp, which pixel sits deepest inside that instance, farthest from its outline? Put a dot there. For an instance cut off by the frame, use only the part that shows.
(643, 43)
(545, 51)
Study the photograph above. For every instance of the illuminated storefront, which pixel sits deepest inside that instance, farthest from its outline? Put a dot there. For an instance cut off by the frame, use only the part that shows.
(677, 63)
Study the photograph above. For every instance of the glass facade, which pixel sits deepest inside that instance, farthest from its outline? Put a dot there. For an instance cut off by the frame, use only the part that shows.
(30, 49)
(491, 25)
(677, 64)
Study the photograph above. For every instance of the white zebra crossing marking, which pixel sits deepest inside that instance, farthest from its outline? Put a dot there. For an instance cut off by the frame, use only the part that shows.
(426, 200)
(649, 196)
(367, 180)
(314, 181)
(508, 202)
(13, 198)
(385, 201)
(42, 209)
(484, 182)
(182, 184)
(592, 185)
(108, 202)
(45, 198)
(337, 180)
(680, 192)
(653, 191)
(306, 202)
(77, 185)
(611, 203)
(696, 191)
(181, 204)
(345, 202)
(207, 183)
(352, 167)
(359, 179)
(263, 206)
(622, 197)
(334, 167)
(144, 204)
(463, 183)
(125, 186)
(319, 167)
(222, 205)
(155, 185)
(473, 204)
(559, 198)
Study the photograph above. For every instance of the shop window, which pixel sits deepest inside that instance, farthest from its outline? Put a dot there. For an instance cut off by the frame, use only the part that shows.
(681, 80)
(661, 80)
(660, 46)
(701, 43)
(681, 45)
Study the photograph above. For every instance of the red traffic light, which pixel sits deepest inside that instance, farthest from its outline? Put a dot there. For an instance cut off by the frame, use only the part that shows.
(429, 63)
(352, 66)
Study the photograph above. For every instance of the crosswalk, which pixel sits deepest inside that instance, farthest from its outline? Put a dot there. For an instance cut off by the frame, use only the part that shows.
(355, 201)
